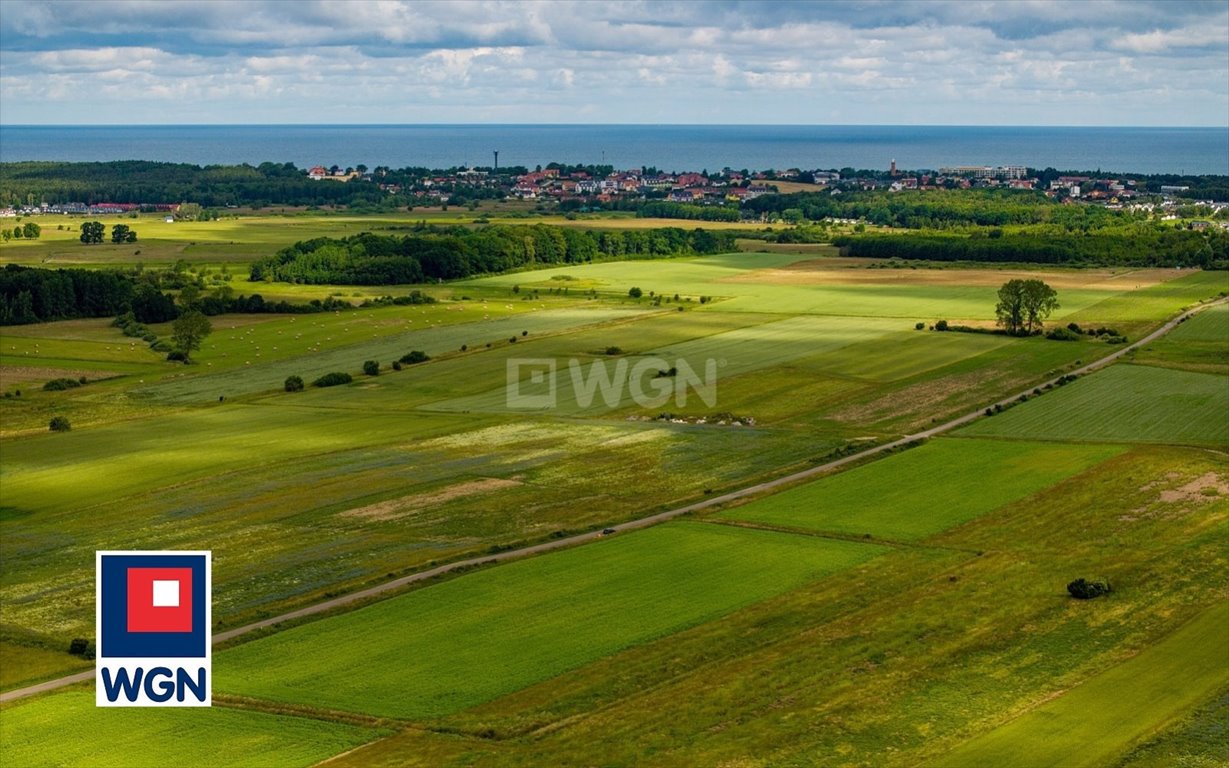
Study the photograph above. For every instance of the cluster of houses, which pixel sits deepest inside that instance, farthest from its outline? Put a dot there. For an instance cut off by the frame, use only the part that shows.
(97, 209)
(726, 187)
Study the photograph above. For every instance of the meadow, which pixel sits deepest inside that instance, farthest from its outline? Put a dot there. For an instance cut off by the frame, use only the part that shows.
(67, 729)
(884, 615)
(923, 491)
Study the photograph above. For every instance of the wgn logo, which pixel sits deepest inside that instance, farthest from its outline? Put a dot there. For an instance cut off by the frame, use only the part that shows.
(153, 620)
(651, 382)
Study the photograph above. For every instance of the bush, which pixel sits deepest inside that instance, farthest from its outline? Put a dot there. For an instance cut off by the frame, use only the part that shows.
(941, 325)
(59, 424)
(59, 385)
(1082, 589)
(371, 367)
(1063, 334)
(396, 365)
(919, 326)
(464, 347)
(614, 350)
(635, 292)
(177, 356)
(332, 379)
(1074, 327)
(78, 646)
(415, 356)
(294, 384)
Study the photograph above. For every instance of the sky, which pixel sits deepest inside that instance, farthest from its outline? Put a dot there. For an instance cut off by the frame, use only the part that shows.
(968, 62)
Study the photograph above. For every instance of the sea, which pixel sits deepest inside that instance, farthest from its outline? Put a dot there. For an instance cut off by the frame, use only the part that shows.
(666, 147)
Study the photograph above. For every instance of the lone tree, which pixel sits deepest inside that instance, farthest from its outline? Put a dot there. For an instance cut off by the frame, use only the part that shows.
(92, 232)
(188, 330)
(1024, 305)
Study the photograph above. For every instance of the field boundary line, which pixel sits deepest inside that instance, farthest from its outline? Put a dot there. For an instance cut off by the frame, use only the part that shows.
(638, 523)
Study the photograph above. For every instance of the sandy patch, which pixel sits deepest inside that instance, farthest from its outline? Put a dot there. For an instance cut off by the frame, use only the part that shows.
(1204, 488)
(395, 509)
(825, 272)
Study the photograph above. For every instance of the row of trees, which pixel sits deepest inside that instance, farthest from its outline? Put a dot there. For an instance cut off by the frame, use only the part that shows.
(138, 181)
(92, 233)
(27, 231)
(1158, 248)
(668, 210)
(936, 209)
(29, 295)
(450, 253)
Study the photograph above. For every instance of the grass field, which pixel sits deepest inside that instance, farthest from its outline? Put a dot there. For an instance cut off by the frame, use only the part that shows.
(66, 729)
(1200, 740)
(1126, 403)
(450, 646)
(1200, 344)
(925, 490)
(1098, 721)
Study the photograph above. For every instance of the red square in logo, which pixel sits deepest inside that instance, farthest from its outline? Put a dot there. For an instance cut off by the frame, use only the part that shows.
(159, 599)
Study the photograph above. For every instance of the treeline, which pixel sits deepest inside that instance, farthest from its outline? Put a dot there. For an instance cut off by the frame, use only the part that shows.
(668, 210)
(936, 209)
(454, 252)
(29, 295)
(1164, 248)
(139, 181)
(32, 295)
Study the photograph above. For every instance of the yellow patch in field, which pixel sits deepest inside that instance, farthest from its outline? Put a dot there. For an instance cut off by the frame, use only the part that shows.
(395, 509)
(855, 272)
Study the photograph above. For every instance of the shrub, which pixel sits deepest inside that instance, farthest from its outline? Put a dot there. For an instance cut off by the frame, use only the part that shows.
(635, 292)
(1082, 589)
(332, 379)
(78, 645)
(59, 385)
(161, 346)
(415, 356)
(59, 424)
(941, 325)
(177, 356)
(371, 367)
(1074, 327)
(294, 384)
(614, 350)
(464, 347)
(919, 326)
(1063, 334)
(1116, 340)
(396, 365)
(524, 333)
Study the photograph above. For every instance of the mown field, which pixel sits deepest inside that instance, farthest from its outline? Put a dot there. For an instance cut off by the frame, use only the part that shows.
(884, 615)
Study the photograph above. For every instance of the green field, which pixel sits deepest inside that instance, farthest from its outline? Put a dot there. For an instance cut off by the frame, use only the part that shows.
(887, 614)
(1096, 722)
(447, 647)
(1125, 403)
(66, 729)
(925, 490)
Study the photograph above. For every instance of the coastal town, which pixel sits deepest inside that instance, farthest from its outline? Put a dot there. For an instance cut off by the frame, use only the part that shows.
(583, 188)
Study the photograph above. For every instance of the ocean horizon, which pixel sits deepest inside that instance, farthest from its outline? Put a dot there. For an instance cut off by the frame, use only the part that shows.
(671, 147)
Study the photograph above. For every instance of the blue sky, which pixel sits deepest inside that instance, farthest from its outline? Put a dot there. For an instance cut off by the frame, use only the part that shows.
(971, 62)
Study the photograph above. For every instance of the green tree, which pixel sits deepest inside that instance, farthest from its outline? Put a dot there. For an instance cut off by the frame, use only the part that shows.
(31, 230)
(92, 232)
(1024, 305)
(635, 292)
(294, 384)
(189, 330)
(122, 233)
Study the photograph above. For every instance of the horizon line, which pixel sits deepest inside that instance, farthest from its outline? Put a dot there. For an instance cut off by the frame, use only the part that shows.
(625, 125)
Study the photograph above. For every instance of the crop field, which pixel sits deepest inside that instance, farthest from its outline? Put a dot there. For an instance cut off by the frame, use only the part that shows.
(450, 646)
(925, 490)
(887, 614)
(67, 729)
(1089, 725)
(1127, 403)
